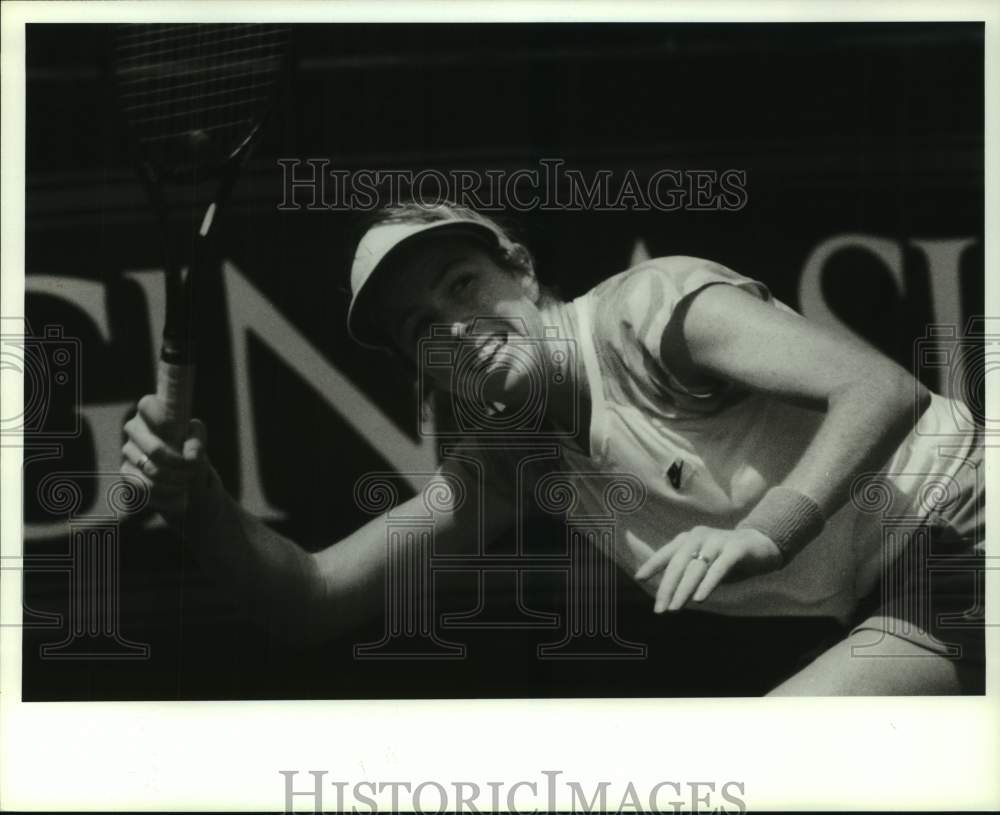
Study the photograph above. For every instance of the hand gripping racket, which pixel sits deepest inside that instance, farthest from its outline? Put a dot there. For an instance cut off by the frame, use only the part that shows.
(193, 98)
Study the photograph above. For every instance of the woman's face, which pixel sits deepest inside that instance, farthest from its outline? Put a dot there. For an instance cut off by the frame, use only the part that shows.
(479, 315)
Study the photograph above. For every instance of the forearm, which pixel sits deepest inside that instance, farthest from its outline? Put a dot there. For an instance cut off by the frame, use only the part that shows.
(275, 579)
(864, 425)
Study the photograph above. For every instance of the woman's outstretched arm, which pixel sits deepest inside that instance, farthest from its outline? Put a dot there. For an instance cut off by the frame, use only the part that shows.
(308, 596)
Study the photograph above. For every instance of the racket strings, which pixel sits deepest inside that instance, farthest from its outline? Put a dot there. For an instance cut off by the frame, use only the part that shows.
(151, 102)
(128, 42)
(147, 72)
(194, 111)
(131, 33)
(194, 93)
(220, 61)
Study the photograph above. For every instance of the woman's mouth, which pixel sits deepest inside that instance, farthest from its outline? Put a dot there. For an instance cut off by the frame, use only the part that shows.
(489, 346)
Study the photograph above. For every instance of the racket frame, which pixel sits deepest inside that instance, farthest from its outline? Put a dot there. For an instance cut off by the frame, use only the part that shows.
(178, 349)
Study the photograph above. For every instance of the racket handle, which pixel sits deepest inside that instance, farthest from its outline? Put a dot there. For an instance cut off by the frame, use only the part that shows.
(175, 388)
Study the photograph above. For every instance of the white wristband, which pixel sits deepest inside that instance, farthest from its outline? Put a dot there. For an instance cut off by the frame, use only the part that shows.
(787, 517)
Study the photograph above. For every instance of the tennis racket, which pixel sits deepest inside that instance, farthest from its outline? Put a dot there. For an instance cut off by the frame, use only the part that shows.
(193, 98)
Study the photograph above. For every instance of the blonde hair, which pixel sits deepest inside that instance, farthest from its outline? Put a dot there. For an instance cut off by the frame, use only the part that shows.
(509, 253)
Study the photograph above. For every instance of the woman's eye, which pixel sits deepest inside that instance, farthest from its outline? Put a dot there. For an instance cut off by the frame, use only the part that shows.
(461, 284)
(418, 332)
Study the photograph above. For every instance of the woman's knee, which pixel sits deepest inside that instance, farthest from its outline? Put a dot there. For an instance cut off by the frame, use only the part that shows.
(891, 667)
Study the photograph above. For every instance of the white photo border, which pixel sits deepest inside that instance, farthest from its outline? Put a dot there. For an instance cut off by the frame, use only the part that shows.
(802, 754)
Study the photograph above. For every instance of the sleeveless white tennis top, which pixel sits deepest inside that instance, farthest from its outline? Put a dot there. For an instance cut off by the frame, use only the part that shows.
(708, 457)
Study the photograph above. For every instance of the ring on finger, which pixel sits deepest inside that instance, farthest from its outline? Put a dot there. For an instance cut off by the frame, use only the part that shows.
(701, 557)
(142, 463)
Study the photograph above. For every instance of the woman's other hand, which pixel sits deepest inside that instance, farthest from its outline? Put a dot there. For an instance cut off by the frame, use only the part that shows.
(696, 561)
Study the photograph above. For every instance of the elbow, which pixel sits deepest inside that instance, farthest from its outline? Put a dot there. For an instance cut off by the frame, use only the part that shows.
(299, 610)
(909, 396)
(923, 397)
(895, 395)
(318, 599)
(329, 608)
(904, 399)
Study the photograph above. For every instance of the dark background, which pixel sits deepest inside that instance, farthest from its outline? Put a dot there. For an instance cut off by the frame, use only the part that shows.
(870, 129)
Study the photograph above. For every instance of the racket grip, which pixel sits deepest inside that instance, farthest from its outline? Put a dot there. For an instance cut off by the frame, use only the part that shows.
(175, 388)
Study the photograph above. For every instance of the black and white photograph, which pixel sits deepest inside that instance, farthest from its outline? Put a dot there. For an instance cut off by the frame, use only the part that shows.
(376, 360)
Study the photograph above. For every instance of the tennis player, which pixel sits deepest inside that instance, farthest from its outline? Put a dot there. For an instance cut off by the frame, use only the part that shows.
(789, 469)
